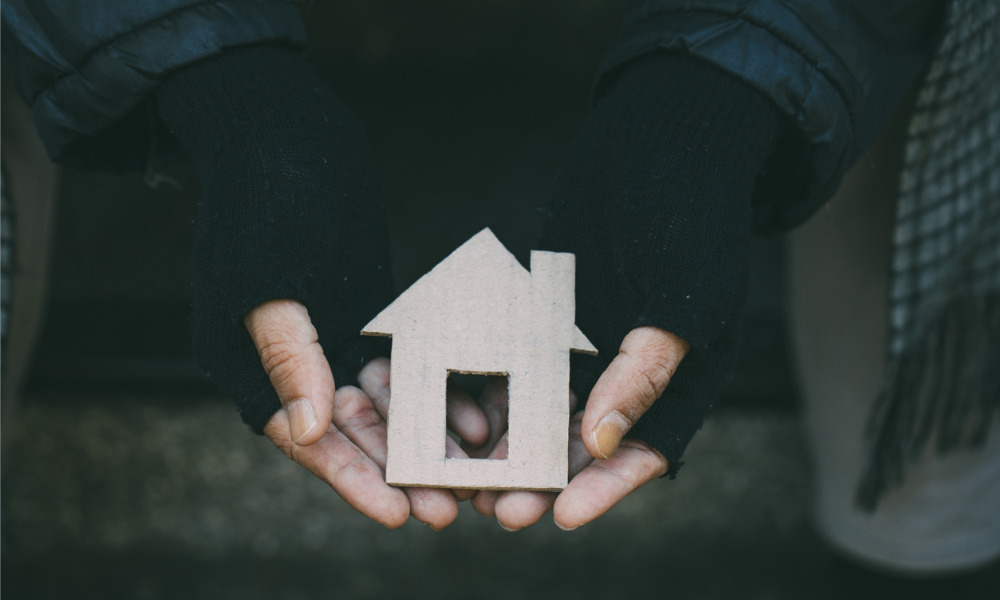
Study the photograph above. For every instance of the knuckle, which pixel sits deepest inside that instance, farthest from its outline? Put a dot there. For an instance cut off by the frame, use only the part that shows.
(349, 469)
(651, 373)
(659, 369)
(646, 386)
(651, 460)
(361, 421)
(376, 373)
(282, 360)
(349, 400)
(381, 369)
(658, 351)
(275, 354)
(623, 487)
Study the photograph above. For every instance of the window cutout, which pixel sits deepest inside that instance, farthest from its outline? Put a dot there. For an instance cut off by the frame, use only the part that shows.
(469, 393)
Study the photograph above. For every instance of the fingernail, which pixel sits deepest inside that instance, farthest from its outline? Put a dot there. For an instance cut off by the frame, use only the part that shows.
(301, 418)
(565, 528)
(505, 528)
(609, 432)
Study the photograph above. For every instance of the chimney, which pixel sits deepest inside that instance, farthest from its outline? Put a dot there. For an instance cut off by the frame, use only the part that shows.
(553, 291)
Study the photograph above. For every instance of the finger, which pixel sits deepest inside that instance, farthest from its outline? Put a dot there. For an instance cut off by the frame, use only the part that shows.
(465, 417)
(646, 361)
(494, 402)
(579, 458)
(293, 359)
(485, 500)
(355, 416)
(427, 506)
(436, 507)
(463, 494)
(453, 450)
(344, 467)
(374, 381)
(518, 509)
(604, 483)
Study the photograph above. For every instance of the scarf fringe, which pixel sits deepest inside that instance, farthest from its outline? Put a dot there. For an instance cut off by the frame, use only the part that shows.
(940, 395)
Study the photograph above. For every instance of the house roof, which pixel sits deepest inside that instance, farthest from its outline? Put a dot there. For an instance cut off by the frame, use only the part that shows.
(480, 271)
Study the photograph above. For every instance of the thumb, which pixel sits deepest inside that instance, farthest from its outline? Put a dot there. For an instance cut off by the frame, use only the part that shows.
(293, 359)
(646, 361)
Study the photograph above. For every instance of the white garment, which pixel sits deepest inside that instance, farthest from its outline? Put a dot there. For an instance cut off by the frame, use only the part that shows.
(31, 183)
(946, 516)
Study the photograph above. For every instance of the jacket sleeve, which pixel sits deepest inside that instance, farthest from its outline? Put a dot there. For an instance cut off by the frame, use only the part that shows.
(834, 68)
(88, 68)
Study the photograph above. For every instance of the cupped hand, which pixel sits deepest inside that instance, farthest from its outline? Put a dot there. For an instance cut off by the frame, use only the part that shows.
(339, 435)
(603, 467)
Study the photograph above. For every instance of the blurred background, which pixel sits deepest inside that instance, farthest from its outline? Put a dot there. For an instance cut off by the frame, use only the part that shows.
(126, 475)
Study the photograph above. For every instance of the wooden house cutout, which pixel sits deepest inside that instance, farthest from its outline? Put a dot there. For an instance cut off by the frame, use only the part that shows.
(479, 311)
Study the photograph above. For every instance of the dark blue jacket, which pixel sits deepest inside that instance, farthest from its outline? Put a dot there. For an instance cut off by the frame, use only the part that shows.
(835, 68)
(88, 68)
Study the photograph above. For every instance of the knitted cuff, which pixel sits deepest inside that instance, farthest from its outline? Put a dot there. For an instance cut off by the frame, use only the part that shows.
(655, 202)
(289, 209)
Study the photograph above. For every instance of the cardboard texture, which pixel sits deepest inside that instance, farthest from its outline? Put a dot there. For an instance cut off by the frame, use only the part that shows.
(479, 311)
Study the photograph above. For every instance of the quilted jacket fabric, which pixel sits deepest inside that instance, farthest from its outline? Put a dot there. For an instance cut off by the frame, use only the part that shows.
(834, 68)
(88, 68)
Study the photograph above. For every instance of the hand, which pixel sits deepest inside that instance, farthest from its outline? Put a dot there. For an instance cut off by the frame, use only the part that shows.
(657, 201)
(603, 467)
(339, 435)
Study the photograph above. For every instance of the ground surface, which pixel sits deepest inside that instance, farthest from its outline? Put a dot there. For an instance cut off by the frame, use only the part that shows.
(163, 497)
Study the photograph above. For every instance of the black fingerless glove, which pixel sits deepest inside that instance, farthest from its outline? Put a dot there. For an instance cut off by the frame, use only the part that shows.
(655, 201)
(289, 209)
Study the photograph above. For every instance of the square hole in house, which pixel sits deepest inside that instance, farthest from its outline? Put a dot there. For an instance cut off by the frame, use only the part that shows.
(477, 412)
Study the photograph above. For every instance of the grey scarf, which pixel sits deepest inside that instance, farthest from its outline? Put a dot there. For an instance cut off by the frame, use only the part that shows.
(942, 387)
